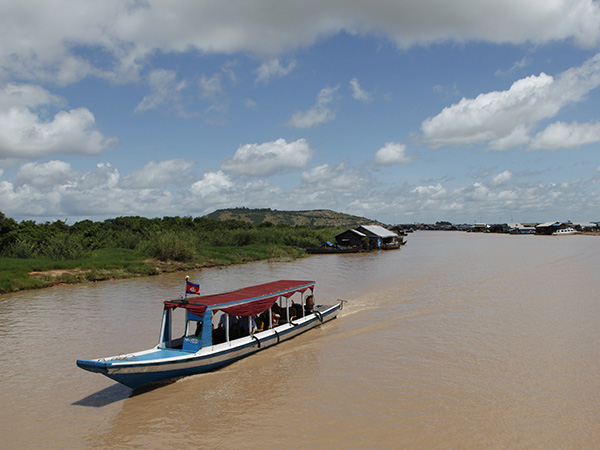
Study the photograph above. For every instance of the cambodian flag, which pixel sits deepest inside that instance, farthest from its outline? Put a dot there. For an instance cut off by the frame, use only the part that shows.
(192, 288)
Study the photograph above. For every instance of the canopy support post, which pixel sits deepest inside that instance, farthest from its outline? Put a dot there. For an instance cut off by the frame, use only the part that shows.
(226, 327)
(206, 335)
(165, 329)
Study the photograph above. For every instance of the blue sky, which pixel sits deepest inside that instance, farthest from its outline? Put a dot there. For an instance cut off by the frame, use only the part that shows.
(406, 111)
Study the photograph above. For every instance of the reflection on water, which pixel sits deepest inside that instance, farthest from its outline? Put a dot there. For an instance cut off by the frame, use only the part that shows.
(455, 341)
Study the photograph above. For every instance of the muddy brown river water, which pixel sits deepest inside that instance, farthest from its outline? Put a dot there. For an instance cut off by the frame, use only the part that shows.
(456, 341)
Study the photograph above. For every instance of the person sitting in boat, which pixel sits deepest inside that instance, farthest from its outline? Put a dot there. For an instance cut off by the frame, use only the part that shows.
(234, 326)
(260, 324)
(233, 320)
(264, 318)
(198, 331)
(275, 314)
(310, 304)
(297, 310)
(248, 325)
(275, 319)
(292, 313)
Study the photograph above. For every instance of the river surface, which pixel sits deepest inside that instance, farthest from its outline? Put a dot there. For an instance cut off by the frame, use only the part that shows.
(456, 341)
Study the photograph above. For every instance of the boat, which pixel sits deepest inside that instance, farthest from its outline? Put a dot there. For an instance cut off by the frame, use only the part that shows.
(327, 250)
(329, 247)
(564, 231)
(392, 244)
(249, 320)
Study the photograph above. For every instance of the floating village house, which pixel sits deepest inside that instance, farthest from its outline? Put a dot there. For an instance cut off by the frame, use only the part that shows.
(480, 228)
(380, 237)
(350, 238)
(551, 227)
(520, 228)
(586, 226)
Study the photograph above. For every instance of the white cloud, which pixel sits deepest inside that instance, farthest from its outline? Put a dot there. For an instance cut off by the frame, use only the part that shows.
(216, 190)
(494, 202)
(214, 89)
(105, 176)
(15, 95)
(269, 158)
(491, 116)
(504, 118)
(25, 132)
(430, 191)
(42, 41)
(315, 116)
(478, 192)
(165, 90)
(318, 114)
(501, 179)
(212, 185)
(24, 135)
(155, 175)
(448, 90)
(27, 201)
(250, 104)
(262, 194)
(273, 69)
(45, 176)
(518, 137)
(53, 190)
(392, 153)
(211, 87)
(358, 93)
(562, 135)
(333, 179)
(522, 63)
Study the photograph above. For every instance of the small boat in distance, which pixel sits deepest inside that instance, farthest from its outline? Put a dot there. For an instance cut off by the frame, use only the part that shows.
(329, 248)
(218, 330)
(564, 231)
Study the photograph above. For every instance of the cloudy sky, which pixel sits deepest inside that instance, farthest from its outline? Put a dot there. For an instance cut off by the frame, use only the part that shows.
(404, 111)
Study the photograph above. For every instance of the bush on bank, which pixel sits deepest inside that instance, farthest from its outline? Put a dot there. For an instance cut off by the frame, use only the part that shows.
(127, 246)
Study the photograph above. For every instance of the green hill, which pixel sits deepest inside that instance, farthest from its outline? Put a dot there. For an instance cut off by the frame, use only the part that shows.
(312, 218)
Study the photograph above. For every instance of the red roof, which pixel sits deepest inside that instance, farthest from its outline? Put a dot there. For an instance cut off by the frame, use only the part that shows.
(247, 301)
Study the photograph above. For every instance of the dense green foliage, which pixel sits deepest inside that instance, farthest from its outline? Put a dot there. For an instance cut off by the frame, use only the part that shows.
(127, 246)
(169, 238)
(311, 218)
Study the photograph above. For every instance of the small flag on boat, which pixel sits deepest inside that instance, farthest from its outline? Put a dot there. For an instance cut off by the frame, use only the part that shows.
(192, 288)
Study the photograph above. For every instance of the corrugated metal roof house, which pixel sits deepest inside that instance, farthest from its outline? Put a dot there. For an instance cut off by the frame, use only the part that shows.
(549, 227)
(586, 226)
(379, 236)
(520, 228)
(376, 230)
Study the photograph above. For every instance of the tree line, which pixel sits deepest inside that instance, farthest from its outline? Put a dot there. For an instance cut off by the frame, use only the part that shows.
(169, 238)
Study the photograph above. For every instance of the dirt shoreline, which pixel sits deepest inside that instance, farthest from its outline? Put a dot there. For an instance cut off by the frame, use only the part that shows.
(63, 277)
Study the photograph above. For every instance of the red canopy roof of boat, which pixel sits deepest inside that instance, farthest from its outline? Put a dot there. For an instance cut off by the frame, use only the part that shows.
(247, 301)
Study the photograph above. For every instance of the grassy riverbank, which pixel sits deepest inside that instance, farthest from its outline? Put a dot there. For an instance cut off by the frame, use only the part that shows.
(40, 255)
(110, 263)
